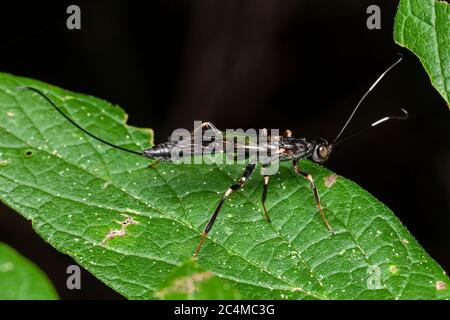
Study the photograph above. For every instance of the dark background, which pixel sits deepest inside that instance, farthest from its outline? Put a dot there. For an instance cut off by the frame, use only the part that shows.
(293, 64)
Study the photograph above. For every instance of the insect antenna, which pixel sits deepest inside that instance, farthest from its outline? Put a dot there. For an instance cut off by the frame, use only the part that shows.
(374, 124)
(76, 124)
(363, 98)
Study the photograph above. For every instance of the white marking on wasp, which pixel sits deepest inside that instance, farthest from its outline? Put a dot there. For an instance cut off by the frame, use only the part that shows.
(228, 192)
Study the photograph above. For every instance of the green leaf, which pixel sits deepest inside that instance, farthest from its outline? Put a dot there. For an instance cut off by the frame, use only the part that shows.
(20, 279)
(192, 282)
(423, 26)
(131, 225)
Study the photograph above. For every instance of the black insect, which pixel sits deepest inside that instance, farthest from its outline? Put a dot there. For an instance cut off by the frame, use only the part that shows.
(281, 148)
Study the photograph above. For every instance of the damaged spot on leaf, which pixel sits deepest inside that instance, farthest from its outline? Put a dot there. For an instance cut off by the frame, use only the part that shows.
(120, 232)
(28, 153)
(187, 285)
(127, 221)
(330, 180)
(441, 285)
(4, 163)
(393, 269)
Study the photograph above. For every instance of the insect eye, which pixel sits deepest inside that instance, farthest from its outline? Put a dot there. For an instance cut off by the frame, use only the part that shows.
(323, 152)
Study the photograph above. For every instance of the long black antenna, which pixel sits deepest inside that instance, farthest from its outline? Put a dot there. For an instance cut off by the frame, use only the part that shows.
(76, 124)
(364, 97)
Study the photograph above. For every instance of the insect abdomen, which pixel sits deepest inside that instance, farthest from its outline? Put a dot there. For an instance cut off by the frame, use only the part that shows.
(161, 152)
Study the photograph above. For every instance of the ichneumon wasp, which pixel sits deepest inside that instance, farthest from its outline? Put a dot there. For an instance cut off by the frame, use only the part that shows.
(286, 148)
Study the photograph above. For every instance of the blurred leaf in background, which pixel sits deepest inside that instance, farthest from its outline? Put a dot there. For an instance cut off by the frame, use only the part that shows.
(423, 26)
(20, 279)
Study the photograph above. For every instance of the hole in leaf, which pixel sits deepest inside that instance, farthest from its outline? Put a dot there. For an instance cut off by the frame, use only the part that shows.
(28, 153)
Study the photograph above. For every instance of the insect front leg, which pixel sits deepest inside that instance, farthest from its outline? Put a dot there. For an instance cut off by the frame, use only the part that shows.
(308, 177)
(247, 173)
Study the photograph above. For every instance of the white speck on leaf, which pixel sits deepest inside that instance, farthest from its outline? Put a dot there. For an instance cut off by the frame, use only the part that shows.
(6, 267)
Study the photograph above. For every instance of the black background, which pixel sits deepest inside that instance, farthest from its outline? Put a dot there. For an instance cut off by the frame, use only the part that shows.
(293, 64)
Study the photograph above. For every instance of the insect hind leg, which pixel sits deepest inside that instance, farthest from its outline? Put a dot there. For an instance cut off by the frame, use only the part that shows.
(207, 125)
(245, 176)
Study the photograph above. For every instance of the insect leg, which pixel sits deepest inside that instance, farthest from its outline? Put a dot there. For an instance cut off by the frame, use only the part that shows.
(264, 196)
(247, 173)
(209, 125)
(287, 133)
(154, 164)
(308, 177)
